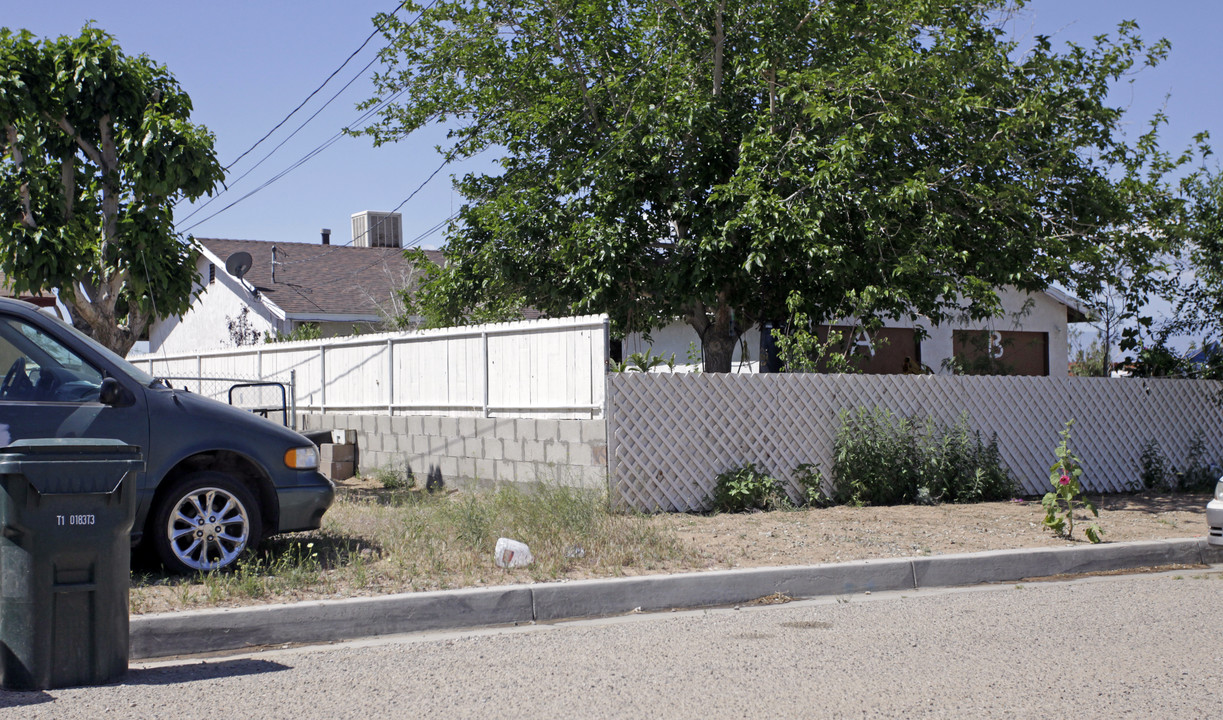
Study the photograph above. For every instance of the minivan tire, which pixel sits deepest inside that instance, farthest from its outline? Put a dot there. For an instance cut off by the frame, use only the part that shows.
(205, 522)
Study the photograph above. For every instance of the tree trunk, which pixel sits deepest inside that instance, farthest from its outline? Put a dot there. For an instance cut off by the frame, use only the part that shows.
(719, 334)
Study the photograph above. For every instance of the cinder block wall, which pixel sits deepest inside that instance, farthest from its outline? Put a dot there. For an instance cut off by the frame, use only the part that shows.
(475, 450)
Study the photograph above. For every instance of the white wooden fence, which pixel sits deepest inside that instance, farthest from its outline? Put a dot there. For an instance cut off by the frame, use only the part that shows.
(536, 368)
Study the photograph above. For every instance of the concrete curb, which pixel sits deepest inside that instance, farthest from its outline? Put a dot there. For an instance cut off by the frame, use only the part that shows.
(187, 633)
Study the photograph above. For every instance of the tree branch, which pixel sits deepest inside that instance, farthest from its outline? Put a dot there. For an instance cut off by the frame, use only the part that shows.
(27, 215)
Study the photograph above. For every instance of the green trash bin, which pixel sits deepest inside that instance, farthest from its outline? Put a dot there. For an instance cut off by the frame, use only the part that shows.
(66, 512)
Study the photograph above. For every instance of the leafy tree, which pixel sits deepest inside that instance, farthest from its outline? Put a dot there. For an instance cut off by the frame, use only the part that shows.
(709, 160)
(96, 148)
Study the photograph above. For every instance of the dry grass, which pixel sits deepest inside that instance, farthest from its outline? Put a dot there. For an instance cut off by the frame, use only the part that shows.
(406, 540)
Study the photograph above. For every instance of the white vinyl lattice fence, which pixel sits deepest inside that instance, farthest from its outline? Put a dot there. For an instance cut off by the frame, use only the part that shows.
(538, 368)
(670, 434)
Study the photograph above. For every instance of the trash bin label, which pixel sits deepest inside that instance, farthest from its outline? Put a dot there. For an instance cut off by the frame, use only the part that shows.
(76, 520)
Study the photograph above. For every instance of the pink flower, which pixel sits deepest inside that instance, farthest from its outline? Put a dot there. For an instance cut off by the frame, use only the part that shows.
(1063, 480)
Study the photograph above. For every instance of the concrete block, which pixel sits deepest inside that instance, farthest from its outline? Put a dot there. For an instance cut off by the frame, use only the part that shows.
(511, 450)
(492, 449)
(485, 427)
(556, 452)
(420, 445)
(533, 451)
(473, 447)
(343, 437)
(368, 424)
(580, 454)
(415, 425)
(382, 424)
(594, 431)
(466, 468)
(505, 471)
(330, 452)
(449, 427)
(337, 470)
(399, 425)
(507, 429)
(547, 430)
(485, 469)
(467, 427)
(570, 430)
(431, 425)
(600, 455)
(448, 465)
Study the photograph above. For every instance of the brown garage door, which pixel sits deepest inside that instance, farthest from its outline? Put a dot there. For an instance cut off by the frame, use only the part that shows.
(879, 352)
(1001, 352)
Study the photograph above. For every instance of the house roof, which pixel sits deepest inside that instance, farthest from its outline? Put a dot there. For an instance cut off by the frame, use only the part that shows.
(314, 281)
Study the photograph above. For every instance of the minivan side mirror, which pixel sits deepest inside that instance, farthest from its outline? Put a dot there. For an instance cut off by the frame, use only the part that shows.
(112, 393)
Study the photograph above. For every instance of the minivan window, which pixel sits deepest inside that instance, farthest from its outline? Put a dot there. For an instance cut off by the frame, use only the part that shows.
(39, 368)
(132, 371)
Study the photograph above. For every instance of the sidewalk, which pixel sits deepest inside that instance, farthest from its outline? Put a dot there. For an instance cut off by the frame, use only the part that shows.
(187, 633)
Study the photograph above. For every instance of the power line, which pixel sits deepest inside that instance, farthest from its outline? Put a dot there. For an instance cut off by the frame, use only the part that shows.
(327, 143)
(377, 30)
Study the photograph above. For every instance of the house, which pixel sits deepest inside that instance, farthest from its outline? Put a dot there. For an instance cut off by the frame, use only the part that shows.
(42, 299)
(1030, 338)
(250, 289)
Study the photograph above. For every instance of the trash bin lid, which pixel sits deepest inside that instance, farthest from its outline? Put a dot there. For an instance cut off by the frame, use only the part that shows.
(71, 465)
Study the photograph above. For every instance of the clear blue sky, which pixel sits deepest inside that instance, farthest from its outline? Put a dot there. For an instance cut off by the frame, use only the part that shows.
(247, 64)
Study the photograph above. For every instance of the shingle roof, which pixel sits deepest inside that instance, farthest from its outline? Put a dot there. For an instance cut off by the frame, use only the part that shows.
(314, 279)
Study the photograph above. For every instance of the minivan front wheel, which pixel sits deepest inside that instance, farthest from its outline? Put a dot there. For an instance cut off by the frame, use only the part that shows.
(205, 522)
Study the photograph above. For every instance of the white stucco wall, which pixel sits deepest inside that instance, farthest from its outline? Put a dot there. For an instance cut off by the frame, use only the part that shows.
(1021, 311)
(205, 325)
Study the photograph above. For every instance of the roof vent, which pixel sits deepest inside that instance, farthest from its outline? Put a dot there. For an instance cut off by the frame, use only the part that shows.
(377, 229)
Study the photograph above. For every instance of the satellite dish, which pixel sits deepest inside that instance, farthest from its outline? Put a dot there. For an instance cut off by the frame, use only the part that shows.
(238, 264)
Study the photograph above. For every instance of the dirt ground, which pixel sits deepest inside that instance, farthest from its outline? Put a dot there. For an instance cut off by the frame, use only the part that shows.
(838, 534)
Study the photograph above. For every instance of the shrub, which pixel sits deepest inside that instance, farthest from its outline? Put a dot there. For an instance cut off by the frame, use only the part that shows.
(1155, 474)
(883, 459)
(748, 488)
(1199, 474)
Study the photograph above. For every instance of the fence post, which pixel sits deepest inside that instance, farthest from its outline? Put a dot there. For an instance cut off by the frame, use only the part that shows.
(322, 375)
(293, 395)
(484, 348)
(390, 377)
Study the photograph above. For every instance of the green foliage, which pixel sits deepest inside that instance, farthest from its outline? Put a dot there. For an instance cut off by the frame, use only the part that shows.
(395, 478)
(304, 331)
(707, 161)
(1155, 473)
(644, 362)
(1092, 361)
(1198, 475)
(748, 488)
(1067, 495)
(883, 459)
(801, 351)
(96, 147)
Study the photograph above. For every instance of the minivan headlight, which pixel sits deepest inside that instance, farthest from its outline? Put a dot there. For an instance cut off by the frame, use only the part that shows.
(1219, 490)
(302, 458)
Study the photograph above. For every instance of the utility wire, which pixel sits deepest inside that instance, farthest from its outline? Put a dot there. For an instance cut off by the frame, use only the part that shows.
(377, 30)
(327, 143)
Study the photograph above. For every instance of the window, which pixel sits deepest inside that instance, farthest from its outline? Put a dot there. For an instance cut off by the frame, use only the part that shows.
(212, 273)
(39, 368)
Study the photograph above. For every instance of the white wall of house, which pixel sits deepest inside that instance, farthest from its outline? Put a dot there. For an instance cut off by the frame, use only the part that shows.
(205, 325)
(1021, 312)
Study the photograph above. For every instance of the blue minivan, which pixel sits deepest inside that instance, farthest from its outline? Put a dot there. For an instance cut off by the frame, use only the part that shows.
(217, 479)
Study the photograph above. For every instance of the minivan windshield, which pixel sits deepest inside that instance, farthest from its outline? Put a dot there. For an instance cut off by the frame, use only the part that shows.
(132, 371)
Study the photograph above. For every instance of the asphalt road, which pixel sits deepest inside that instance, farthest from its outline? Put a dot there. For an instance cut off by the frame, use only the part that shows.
(1124, 646)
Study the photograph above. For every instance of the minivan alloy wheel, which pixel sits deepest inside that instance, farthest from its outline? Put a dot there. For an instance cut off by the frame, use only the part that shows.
(206, 522)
